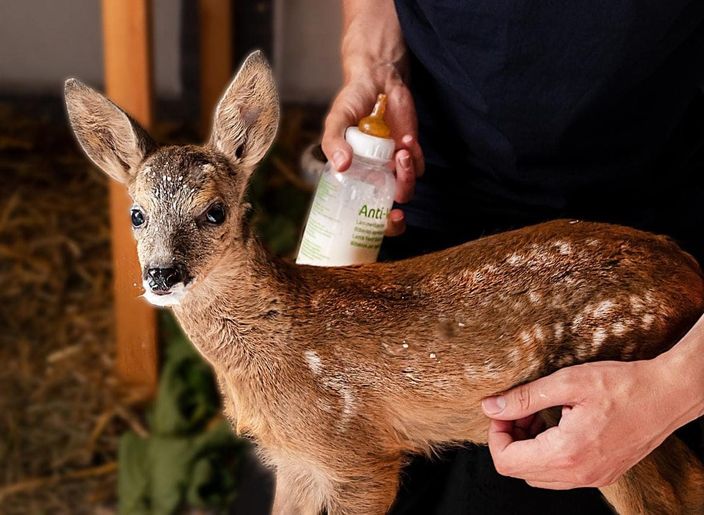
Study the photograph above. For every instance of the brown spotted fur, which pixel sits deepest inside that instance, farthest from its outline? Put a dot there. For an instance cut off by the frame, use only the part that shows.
(340, 373)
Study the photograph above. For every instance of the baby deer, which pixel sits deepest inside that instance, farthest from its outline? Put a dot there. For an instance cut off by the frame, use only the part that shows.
(340, 373)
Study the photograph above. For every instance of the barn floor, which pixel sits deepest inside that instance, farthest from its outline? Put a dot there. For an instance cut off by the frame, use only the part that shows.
(59, 416)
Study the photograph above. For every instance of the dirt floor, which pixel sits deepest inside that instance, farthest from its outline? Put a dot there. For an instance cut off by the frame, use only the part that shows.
(60, 416)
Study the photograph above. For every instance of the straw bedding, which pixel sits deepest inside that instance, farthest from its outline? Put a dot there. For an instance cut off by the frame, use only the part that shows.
(59, 415)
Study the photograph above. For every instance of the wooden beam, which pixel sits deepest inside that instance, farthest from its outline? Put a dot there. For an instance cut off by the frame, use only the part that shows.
(215, 33)
(128, 82)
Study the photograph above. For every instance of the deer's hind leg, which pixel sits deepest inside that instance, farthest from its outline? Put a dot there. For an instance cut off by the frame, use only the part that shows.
(669, 481)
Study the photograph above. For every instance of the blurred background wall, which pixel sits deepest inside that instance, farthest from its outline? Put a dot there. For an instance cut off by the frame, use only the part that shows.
(43, 41)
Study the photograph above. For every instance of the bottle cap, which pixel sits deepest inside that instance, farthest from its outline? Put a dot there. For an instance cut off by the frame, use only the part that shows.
(373, 147)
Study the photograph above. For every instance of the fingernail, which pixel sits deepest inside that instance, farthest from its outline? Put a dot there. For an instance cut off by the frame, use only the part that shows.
(405, 161)
(494, 405)
(407, 139)
(396, 217)
(338, 159)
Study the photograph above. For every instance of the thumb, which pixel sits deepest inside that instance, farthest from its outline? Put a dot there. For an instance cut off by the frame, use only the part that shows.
(530, 398)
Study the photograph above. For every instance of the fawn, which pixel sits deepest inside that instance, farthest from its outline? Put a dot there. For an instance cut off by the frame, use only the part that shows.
(339, 374)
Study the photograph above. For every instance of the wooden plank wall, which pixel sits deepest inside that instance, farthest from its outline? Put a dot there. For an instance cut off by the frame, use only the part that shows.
(128, 82)
(215, 20)
(127, 40)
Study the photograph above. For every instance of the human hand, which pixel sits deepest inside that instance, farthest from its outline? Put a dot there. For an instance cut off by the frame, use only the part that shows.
(614, 414)
(356, 100)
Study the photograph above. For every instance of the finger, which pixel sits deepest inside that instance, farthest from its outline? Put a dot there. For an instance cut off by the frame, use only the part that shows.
(523, 459)
(396, 224)
(405, 177)
(524, 400)
(337, 150)
(500, 435)
(411, 143)
(403, 120)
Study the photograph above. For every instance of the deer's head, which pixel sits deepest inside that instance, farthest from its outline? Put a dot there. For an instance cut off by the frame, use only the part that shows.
(188, 201)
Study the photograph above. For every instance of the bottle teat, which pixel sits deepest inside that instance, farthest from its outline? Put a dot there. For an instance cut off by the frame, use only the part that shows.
(374, 124)
(371, 137)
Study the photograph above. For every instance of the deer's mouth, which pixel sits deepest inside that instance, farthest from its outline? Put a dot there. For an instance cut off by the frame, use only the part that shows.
(166, 297)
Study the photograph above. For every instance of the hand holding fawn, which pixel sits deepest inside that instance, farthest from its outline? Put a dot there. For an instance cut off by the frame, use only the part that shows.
(339, 373)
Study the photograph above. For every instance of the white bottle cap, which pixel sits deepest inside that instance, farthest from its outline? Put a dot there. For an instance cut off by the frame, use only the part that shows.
(373, 147)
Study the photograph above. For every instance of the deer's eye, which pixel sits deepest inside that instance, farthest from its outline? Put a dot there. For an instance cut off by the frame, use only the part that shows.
(215, 214)
(137, 217)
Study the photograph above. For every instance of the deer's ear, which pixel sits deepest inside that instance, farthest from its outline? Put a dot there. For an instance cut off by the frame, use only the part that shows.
(110, 138)
(247, 116)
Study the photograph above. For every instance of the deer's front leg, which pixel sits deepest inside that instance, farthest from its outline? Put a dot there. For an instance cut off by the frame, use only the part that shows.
(299, 491)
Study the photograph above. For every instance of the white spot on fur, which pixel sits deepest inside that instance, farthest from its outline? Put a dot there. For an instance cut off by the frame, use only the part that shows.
(514, 355)
(515, 259)
(433, 355)
(340, 386)
(637, 304)
(619, 328)
(534, 297)
(577, 321)
(599, 337)
(539, 333)
(604, 308)
(526, 337)
(313, 361)
(559, 329)
(648, 320)
(489, 269)
(487, 369)
(563, 246)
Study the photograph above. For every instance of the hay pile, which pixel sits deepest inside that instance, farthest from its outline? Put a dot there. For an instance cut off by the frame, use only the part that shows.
(59, 417)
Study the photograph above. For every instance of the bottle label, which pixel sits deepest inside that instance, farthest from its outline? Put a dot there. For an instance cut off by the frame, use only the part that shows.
(368, 231)
(345, 225)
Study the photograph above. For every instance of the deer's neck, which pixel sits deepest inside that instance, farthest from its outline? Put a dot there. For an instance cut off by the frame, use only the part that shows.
(236, 315)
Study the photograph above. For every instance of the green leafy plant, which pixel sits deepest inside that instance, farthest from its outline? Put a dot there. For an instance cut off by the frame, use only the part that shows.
(190, 456)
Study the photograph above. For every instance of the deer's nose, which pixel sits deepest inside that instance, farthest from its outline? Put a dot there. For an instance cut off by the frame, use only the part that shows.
(163, 279)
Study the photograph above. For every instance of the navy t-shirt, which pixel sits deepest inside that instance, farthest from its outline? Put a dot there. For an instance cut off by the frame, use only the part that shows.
(558, 108)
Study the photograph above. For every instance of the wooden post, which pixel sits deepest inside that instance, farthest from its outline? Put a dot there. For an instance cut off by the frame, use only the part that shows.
(215, 24)
(128, 82)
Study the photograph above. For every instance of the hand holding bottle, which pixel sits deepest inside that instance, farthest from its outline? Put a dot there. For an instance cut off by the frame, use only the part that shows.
(374, 60)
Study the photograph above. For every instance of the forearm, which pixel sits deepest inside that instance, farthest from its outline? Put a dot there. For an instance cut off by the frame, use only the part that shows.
(682, 372)
(371, 37)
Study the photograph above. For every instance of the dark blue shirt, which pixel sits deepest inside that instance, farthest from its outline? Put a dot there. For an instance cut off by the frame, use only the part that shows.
(555, 108)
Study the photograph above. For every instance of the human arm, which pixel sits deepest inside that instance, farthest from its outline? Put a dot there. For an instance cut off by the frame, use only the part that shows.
(615, 414)
(374, 60)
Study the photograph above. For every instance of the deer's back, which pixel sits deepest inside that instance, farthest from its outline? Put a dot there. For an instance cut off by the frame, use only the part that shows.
(547, 296)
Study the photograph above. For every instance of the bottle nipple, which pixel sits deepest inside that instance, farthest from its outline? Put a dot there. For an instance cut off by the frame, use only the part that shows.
(374, 124)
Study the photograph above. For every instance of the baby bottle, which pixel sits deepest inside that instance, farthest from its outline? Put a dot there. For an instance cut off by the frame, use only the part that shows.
(348, 216)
